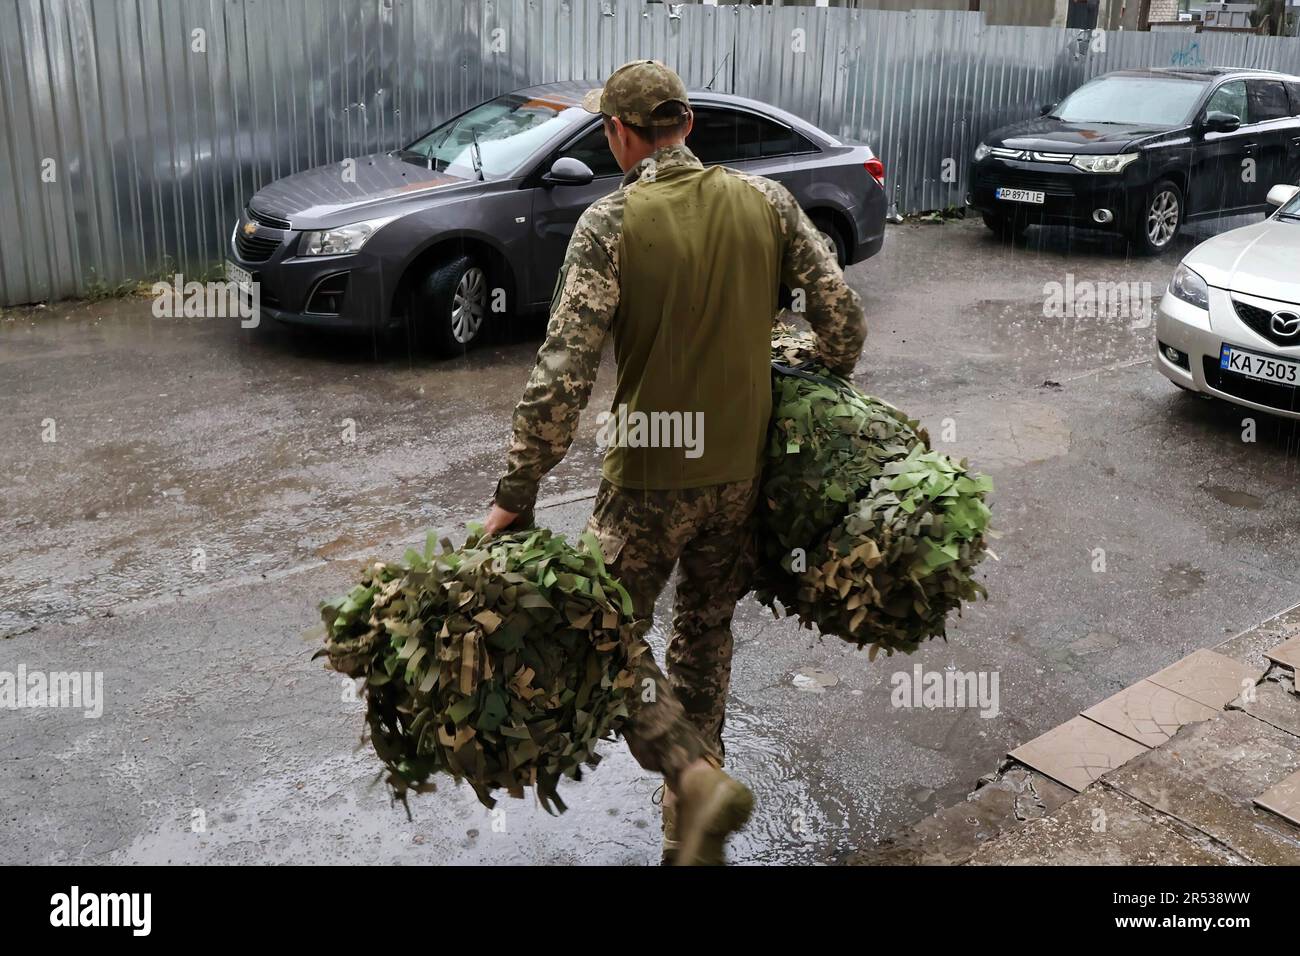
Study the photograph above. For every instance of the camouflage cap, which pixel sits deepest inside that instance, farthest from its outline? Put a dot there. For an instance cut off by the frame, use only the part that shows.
(635, 90)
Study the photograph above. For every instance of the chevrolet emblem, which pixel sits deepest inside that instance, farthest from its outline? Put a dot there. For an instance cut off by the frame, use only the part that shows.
(250, 228)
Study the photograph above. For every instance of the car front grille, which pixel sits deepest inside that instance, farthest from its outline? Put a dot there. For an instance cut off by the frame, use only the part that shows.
(275, 222)
(1285, 398)
(255, 248)
(1260, 321)
(1022, 179)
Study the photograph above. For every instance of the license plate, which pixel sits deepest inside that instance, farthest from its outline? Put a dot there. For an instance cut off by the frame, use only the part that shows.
(241, 277)
(1262, 367)
(1018, 195)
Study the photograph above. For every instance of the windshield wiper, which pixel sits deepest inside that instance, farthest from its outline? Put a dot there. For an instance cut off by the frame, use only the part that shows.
(413, 156)
(475, 154)
(1289, 215)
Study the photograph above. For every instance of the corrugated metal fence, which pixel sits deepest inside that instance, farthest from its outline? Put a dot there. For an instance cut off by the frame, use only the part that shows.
(133, 130)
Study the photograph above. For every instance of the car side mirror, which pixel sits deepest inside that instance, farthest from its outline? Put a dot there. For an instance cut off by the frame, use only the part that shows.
(1216, 121)
(1046, 108)
(567, 171)
(1281, 194)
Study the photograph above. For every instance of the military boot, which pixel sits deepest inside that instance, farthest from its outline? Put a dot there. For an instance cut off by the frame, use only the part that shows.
(664, 798)
(710, 807)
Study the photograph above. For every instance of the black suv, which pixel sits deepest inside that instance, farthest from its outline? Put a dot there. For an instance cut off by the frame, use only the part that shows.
(1142, 152)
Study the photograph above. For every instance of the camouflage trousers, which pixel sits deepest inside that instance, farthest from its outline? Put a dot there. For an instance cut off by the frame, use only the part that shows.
(708, 535)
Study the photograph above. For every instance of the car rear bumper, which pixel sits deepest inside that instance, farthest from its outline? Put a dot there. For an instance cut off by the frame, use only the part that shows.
(1070, 196)
(1199, 335)
(869, 224)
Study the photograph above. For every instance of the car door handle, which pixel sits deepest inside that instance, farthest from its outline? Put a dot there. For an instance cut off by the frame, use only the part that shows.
(1248, 147)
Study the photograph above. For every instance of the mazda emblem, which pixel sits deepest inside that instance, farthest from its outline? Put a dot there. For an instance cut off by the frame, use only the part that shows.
(1285, 324)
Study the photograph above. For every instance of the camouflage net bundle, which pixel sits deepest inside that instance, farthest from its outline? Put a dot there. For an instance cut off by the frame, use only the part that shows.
(501, 663)
(866, 533)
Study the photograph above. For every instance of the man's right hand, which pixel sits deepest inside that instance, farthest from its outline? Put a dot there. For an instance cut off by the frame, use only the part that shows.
(498, 519)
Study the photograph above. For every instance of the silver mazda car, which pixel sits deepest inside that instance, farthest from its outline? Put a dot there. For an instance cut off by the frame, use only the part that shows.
(472, 220)
(1229, 326)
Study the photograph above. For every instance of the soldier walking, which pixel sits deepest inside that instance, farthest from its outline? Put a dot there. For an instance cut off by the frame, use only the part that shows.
(682, 267)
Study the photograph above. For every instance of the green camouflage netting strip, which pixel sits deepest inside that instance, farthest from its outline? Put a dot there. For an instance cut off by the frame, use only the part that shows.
(501, 663)
(867, 533)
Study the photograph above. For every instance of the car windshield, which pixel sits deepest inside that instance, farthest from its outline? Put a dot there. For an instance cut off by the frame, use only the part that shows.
(503, 132)
(1136, 100)
(1291, 209)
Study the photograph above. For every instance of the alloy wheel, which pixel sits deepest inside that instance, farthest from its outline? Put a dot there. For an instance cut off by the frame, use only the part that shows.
(468, 305)
(1162, 218)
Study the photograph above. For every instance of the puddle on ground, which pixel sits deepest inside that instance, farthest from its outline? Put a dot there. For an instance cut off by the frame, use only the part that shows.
(1238, 499)
(1181, 580)
(334, 811)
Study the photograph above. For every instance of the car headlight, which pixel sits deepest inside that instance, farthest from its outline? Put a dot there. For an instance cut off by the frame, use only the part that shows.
(1103, 164)
(342, 239)
(981, 151)
(1189, 287)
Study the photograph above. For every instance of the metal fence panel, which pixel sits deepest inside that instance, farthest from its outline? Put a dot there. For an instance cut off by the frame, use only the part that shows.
(134, 130)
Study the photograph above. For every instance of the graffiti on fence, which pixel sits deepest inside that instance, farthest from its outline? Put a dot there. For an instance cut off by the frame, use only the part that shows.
(1189, 55)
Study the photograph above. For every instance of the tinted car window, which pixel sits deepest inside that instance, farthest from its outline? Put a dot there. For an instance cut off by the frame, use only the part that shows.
(1230, 98)
(1294, 90)
(1140, 100)
(726, 136)
(780, 140)
(593, 150)
(1267, 100)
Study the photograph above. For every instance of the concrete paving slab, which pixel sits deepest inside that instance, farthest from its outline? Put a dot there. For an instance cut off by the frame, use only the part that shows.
(1207, 677)
(1283, 798)
(1287, 653)
(1106, 828)
(951, 836)
(1275, 702)
(1148, 713)
(1077, 752)
(1252, 645)
(1208, 776)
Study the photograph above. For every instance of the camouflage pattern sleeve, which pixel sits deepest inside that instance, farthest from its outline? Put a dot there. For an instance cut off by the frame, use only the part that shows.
(582, 308)
(809, 270)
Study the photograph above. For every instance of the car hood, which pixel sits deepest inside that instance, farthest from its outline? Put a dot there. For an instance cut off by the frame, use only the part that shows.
(1050, 135)
(1256, 260)
(323, 197)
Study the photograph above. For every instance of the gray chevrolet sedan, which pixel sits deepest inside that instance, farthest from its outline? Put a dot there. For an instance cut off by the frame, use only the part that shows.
(472, 220)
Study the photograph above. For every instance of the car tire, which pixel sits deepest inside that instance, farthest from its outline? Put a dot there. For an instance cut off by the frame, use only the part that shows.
(1159, 219)
(449, 307)
(1006, 228)
(832, 232)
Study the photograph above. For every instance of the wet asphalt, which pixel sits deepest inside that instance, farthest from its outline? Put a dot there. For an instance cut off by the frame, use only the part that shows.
(208, 485)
